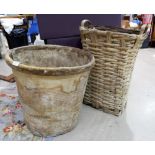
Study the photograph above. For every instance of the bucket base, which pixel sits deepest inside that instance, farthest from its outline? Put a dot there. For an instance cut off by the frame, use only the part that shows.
(34, 132)
(48, 128)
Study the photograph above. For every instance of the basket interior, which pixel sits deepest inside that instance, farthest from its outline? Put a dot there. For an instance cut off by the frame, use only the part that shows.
(51, 56)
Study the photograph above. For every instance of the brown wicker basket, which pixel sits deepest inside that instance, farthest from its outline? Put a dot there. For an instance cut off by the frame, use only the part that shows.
(115, 51)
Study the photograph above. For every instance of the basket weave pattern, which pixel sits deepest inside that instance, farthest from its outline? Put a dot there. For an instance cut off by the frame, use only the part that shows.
(115, 53)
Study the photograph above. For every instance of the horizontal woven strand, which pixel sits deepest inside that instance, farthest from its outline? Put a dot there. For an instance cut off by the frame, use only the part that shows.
(115, 54)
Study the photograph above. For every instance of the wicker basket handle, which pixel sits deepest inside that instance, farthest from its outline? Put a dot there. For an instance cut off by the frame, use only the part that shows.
(143, 35)
(144, 29)
(86, 23)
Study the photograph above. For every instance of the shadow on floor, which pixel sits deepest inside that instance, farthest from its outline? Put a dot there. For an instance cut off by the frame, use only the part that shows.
(97, 125)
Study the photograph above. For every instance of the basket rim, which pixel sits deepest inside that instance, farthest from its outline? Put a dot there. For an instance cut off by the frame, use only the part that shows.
(49, 70)
(124, 34)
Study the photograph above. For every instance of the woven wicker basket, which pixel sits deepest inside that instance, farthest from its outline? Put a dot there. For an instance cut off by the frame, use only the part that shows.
(115, 51)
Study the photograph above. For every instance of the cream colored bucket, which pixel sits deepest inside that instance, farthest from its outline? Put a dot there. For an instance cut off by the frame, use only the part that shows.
(51, 82)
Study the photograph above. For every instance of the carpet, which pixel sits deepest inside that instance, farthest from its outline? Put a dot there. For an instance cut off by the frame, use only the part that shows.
(12, 126)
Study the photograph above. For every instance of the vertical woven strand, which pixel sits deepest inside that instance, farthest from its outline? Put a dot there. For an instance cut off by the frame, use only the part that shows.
(115, 54)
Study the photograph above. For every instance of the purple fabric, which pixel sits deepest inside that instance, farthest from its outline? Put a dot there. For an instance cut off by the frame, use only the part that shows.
(68, 41)
(63, 29)
(62, 25)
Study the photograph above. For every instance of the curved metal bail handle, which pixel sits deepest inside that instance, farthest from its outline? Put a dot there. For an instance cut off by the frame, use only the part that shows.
(86, 24)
